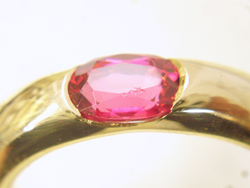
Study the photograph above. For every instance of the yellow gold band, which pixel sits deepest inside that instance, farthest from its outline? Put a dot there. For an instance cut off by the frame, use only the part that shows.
(215, 102)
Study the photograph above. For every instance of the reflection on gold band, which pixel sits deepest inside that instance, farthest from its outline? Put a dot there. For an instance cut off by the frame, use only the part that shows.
(215, 103)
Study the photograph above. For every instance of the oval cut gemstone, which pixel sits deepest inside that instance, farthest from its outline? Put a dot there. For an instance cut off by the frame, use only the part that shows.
(124, 88)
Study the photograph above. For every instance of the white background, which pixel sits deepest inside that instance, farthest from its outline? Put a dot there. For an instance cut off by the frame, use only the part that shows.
(40, 37)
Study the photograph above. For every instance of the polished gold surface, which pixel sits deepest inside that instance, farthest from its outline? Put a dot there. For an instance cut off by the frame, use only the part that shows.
(215, 102)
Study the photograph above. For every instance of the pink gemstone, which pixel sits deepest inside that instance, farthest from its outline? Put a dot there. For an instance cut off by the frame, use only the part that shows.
(124, 88)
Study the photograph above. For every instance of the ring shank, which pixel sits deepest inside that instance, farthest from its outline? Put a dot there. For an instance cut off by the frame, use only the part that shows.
(215, 103)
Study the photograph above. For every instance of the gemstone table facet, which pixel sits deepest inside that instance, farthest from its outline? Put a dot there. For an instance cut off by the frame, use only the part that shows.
(124, 88)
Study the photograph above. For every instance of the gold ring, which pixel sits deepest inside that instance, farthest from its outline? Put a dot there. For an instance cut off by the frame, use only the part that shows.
(122, 93)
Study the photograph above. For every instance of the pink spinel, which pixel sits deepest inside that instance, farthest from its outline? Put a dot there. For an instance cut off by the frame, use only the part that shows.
(124, 88)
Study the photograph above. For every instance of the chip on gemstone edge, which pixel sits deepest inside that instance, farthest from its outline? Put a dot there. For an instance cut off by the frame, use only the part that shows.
(183, 79)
